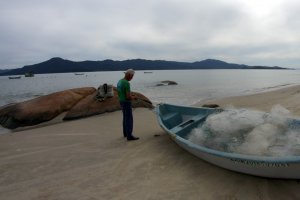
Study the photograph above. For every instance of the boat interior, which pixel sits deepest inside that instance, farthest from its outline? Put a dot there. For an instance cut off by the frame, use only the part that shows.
(181, 120)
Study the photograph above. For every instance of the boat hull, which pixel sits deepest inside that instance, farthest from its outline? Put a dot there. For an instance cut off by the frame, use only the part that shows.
(257, 167)
(271, 167)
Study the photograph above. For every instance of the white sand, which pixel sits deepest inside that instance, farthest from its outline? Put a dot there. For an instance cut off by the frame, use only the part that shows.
(89, 159)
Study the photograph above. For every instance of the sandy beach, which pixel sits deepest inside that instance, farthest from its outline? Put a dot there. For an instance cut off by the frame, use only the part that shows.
(89, 159)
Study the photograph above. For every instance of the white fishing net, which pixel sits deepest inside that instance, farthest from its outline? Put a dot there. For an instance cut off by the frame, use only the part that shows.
(249, 132)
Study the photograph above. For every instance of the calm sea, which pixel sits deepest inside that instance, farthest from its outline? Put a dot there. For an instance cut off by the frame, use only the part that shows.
(193, 85)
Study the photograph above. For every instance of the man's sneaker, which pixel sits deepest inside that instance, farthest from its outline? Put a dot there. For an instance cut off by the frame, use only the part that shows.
(133, 138)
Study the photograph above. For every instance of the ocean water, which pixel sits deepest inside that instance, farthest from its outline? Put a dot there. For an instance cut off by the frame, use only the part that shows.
(193, 85)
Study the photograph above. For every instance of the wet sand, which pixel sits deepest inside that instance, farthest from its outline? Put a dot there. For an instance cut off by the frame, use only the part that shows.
(89, 159)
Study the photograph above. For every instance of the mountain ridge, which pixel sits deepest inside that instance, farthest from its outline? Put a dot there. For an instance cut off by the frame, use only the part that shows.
(60, 65)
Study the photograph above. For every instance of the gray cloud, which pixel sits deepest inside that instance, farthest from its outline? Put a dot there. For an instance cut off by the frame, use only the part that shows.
(250, 32)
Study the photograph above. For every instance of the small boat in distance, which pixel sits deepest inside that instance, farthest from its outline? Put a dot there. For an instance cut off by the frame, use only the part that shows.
(179, 121)
(29, 74)
(78, 74)
(14, 77)
(148, 72)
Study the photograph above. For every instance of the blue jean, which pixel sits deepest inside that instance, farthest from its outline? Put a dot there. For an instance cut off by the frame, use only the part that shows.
(127, 118)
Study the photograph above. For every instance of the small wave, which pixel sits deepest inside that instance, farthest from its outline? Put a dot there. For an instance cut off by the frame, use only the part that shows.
(265, 89)
(4, 130)
(16, 98)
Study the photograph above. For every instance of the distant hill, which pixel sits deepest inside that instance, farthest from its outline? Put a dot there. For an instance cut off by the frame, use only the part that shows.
(59, 65)
(4, 70)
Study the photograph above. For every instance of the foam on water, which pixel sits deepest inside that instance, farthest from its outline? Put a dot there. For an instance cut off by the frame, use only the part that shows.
(4, 130)
(249, 132)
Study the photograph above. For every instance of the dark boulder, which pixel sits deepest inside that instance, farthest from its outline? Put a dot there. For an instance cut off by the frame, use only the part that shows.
(90, 106)
(41, 109)
(210, 105)
(79, 103)
(167, 82)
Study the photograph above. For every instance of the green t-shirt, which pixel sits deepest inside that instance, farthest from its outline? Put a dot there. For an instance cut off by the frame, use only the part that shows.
(123, 87)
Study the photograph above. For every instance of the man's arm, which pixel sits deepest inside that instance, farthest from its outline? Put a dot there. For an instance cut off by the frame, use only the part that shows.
(130, 96)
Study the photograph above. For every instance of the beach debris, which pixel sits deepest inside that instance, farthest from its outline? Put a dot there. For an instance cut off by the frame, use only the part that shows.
(104, 91)
(167, 82)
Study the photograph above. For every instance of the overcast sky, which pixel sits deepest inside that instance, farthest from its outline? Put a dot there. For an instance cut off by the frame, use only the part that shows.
(252, 32)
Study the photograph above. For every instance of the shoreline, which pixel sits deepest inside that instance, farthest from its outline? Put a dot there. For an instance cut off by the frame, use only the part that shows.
(262, 101)
(249, 92)
(288, 97)
(89, 159)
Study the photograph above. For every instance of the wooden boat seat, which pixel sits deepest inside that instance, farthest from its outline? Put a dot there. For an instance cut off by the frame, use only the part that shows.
(171, 119)
(194, 121)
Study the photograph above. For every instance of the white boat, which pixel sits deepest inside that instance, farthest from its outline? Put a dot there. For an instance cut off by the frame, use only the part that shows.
(178, 121)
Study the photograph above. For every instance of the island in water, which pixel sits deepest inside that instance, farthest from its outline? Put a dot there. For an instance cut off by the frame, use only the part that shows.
(59, 65)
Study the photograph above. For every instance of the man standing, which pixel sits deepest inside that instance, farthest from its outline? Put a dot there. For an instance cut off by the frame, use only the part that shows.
(125, 98)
